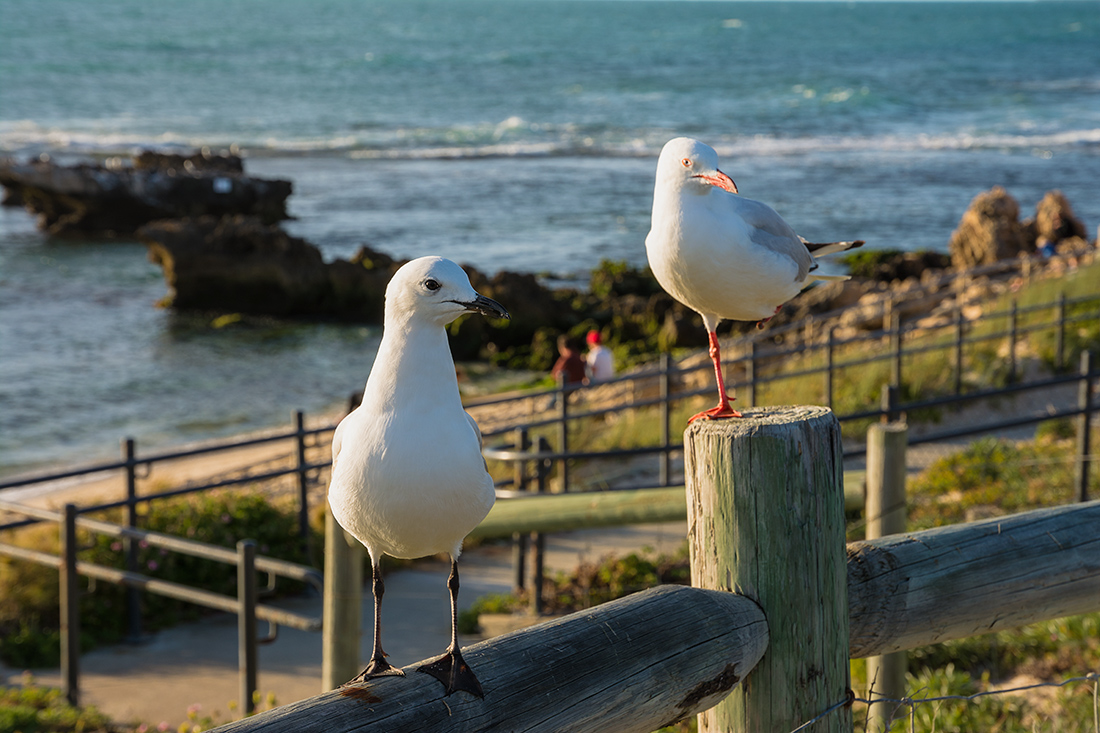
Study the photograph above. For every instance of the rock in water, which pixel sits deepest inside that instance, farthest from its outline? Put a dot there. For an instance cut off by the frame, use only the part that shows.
(239, 264)
(116, 198)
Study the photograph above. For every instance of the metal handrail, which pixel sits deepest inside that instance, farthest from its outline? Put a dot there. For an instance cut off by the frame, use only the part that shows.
(245, 605)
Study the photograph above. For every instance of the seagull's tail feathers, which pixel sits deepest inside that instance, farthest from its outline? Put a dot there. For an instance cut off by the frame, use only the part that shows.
(820, 249)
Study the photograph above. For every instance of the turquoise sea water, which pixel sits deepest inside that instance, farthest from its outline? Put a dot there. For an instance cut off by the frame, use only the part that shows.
(514, 135)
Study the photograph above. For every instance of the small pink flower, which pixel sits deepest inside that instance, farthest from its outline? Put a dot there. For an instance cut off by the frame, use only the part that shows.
(153, 565)
(162, 726)
(116, 546)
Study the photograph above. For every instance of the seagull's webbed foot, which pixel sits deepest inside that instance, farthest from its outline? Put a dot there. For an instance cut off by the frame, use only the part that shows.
(377, 667)
(719, 412)
(452, 671)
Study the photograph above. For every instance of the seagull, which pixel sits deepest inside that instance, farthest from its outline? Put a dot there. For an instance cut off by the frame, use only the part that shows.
(722, 255)
(408, 477)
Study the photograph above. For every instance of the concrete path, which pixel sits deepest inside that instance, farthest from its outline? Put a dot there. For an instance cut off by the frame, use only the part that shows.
(196, 664)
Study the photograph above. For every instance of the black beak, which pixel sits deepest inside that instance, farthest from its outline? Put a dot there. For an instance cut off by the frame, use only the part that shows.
(487, 307)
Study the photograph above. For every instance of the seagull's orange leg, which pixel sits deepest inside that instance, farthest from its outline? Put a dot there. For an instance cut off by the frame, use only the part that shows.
(723, 409)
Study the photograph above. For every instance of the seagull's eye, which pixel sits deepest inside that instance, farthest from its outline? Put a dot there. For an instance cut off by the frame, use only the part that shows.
(432, 285)
(686, 162)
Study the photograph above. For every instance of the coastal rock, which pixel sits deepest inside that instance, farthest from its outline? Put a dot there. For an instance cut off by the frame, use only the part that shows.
(1054, 220)
(116, 198)
(990, 230)
(239, 264)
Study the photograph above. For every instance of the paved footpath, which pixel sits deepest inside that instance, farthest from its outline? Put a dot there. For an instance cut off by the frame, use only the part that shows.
(196, 664)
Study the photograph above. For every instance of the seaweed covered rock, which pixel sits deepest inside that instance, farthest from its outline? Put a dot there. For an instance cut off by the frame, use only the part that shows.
(990, 230)
(117, 197)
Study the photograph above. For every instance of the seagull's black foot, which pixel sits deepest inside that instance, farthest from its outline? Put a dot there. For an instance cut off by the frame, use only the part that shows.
(376, 668)
(452, 671)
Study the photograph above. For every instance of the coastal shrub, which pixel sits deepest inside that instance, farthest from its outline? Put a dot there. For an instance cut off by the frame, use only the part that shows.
(31, 708)
(29, 609)
(993, 476)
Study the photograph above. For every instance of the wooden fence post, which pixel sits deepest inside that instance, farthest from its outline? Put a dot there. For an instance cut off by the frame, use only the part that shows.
(766, 518)
(343, 593)
(886, 514)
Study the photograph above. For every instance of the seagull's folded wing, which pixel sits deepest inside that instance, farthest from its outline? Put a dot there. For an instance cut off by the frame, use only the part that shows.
(477, 432)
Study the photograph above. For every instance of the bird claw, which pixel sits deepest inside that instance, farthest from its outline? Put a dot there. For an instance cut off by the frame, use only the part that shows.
(375, 668)
(451, 669)
(721, 411)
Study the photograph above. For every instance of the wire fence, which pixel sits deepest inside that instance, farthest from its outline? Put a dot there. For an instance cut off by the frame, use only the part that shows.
(912, 703)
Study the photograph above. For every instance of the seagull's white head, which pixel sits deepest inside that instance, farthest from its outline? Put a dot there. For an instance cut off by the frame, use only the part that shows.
(691, 167)
(435, 290)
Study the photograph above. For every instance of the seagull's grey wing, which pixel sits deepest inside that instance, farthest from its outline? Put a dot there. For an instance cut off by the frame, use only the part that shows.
(772, 232)
(477, 432)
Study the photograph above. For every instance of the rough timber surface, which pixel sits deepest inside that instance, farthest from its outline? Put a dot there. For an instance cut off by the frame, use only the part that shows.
(766, 518)
(908, 590)
(634, 664)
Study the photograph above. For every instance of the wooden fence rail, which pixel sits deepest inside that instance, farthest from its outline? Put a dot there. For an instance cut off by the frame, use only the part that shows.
(920, 588)
(631, 665)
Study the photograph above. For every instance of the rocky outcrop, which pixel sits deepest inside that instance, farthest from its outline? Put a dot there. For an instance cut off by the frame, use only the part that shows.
(116, 198)
(990, 230)
(1054, 221)
(239, 264)
(242, 265)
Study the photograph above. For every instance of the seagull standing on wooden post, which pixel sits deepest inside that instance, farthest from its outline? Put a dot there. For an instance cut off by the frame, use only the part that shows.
(722, 255)
(408, 477)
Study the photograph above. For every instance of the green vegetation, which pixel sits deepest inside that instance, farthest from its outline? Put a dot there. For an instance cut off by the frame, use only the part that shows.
(31, 708)
(34, 709)
(993, 477)
(29, 597)
(864, 262)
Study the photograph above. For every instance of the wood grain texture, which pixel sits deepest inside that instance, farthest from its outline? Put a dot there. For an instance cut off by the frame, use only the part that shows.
(634, 664)
(766, 519)
(952, 582)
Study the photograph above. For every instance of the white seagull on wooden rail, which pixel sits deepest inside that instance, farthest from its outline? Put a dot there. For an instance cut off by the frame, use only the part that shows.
(408, 478)
(722, 255)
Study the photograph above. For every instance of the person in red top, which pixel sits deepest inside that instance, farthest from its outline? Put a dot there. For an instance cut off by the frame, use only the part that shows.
(569, 366)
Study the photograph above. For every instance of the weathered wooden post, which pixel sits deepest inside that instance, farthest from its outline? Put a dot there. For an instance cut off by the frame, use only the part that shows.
(766, 519)
(342, 605)
(886, 514)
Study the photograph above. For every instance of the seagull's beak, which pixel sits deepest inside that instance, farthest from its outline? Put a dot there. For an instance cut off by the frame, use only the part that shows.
(721, 180)
(486, 307)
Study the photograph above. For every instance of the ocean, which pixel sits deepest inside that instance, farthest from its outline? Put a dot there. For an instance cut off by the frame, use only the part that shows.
(508, 134)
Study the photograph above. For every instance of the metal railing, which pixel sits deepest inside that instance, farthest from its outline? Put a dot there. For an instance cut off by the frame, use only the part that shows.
(245, 605)
(661, 388)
